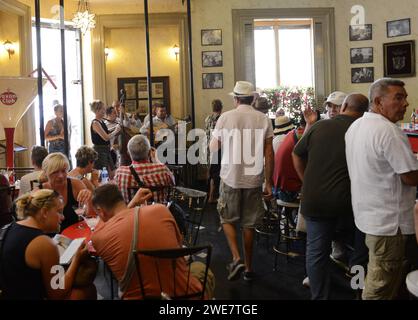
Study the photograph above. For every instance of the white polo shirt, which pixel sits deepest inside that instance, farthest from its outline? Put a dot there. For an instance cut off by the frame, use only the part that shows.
(242, 132)
(377, 153)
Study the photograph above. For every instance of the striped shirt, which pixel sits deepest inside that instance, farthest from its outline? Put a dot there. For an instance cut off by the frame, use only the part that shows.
(151, 174)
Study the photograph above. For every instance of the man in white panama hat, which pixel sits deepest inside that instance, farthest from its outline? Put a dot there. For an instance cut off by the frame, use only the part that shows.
(245, 136)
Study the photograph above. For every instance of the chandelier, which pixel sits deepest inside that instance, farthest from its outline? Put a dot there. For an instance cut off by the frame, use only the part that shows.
(83, 19)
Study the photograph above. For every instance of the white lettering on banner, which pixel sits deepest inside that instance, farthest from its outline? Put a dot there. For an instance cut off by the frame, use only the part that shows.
(58, 280)
(357, 281)
(359, 17)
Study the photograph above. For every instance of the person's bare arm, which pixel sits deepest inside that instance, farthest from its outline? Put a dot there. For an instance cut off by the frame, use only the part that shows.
(83, 195)
(48, 129)
(42, 253)
(310, 117)
(268, 167)
(99, 130)
(141, 196)
(410, 178)
(299, 164)
(214, 144)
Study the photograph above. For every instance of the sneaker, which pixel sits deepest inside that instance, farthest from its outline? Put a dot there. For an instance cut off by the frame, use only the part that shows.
(305, 282)
(249, 275)
(234, 270)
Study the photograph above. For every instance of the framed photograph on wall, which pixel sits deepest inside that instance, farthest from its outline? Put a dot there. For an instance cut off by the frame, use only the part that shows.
(399, 59)
(142, 89)
(360, 32)
(362, 75)
(136, 89)
(212, 81)
(397, 28)
(211, 37)
(212, 59)
(130, 106)
(361, 55)
(130, 90)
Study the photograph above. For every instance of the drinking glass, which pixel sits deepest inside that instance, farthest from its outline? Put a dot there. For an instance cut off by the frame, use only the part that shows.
(80, 210)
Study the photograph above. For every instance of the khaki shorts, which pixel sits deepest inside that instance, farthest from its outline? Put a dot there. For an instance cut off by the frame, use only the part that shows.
(244, 205)
(386, 266)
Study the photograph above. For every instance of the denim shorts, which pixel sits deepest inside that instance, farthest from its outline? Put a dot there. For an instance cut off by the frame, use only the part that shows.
(243, 205)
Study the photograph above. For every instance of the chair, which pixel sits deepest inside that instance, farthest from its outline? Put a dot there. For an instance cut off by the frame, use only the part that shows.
(287, 237)
(194, 204)
(412, 284)
(270, 223)
(166, 189)
(178, 173)
(168, 261)
(33, 184)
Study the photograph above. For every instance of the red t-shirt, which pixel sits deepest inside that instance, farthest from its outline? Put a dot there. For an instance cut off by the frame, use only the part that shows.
(285, 176)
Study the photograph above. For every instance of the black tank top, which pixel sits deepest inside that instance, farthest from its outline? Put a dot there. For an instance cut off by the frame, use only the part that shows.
(70, 216)
(20, 281)
(95, 137)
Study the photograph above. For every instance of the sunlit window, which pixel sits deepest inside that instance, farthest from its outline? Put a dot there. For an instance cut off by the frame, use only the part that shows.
(283, 53)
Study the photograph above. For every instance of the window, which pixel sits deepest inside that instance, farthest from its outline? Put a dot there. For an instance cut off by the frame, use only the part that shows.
(283, 53)
(51, 63)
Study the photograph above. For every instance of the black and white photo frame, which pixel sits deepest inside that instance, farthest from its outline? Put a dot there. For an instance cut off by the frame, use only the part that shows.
(360, 32)
(212, 80)
(397, 28)
(361, 55)
(211, 37)
(212, 59)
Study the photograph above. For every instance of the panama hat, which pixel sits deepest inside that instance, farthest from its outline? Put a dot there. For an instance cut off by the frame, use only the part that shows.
(282, 124)
(243, 89)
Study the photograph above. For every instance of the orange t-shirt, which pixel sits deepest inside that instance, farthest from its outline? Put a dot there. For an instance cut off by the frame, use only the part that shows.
(157, 230)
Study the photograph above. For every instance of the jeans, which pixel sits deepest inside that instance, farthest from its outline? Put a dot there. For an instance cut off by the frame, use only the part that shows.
(320, 232)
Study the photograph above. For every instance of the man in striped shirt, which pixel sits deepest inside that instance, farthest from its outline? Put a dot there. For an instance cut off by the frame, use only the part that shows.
(150, 172)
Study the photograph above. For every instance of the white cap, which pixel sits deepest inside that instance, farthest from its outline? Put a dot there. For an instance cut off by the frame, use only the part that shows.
(337, 97)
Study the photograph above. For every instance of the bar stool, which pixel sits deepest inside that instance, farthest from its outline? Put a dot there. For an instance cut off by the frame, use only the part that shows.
(270, 224)
(287, 236)
(412, 284)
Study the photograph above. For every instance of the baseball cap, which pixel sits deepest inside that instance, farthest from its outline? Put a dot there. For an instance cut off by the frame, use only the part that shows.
(337, 97)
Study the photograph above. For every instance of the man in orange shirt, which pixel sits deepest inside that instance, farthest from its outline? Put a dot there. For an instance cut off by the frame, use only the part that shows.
(157, 230)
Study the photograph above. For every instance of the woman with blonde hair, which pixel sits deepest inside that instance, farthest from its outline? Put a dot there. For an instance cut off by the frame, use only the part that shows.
(101, 136)
(73, 191)
(30, 258)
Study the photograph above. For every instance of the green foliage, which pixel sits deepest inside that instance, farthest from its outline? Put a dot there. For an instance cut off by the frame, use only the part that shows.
(291, 99)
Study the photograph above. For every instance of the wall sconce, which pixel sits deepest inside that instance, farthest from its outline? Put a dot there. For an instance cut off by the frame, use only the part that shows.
(106, 52)
(176, 51)
(9, 47)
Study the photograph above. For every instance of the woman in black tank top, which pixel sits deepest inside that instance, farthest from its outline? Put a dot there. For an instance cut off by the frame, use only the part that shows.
(28, 255)
(101, 137)
(73, 191)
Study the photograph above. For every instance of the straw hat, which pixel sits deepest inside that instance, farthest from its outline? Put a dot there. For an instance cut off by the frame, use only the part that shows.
(282, 124)
(243, 89)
